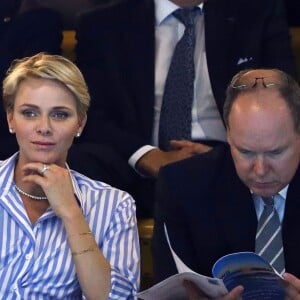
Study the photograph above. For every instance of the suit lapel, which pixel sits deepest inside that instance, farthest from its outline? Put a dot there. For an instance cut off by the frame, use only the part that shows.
(291, 225)
(219, 26)
(236, 210)
(132, 59)
(139, 60)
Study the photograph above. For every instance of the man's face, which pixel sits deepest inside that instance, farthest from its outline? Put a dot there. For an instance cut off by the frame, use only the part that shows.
(187, 3)
(264, 144)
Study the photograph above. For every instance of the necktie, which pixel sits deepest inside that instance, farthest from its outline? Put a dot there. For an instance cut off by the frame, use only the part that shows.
(268, 237)
(176, 110)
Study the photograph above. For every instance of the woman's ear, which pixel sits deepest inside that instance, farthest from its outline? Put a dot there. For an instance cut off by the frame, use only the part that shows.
(81, 125)
(10, 118)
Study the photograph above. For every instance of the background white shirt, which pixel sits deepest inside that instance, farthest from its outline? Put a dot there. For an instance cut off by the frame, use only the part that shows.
(168, 31)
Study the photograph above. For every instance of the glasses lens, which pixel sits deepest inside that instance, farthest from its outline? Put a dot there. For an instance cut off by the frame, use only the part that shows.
(248, 81)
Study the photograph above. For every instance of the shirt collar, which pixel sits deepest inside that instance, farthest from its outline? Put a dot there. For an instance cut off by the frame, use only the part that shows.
(7, 173)
(76, 188)
(282, 193)
(279, 202)
(164, 8)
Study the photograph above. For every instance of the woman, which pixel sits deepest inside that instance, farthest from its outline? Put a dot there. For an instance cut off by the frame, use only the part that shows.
(63, 235)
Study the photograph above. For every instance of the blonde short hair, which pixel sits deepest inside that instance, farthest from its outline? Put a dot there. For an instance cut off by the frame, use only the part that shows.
(46, 66)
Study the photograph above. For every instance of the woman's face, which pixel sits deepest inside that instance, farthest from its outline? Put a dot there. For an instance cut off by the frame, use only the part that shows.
(45, 121)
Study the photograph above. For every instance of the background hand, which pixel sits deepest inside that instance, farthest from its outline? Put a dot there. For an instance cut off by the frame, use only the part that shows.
(152, 161)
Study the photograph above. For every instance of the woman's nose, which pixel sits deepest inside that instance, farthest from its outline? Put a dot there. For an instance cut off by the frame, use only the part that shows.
(43, 126)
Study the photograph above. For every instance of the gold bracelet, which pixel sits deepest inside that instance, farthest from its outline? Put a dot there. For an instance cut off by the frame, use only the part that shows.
(79, 234)
(91, 248)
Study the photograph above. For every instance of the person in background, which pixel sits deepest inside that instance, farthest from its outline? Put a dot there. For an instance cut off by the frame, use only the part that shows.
(26, 28)
(125, 50)
(293, 12)
(212, 203)
(63, 235)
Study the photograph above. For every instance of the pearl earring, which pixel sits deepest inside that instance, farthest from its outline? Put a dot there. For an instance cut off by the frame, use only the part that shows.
(78, 134)
(11, 130)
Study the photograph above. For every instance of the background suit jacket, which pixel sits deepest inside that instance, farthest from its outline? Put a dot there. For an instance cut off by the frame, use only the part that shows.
(116, 51)
(34, 31)
(209, 212)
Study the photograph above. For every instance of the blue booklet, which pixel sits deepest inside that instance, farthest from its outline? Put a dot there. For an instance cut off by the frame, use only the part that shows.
(258, 277)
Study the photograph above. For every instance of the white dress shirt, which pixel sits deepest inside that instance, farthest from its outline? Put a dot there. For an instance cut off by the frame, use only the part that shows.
(168, 31)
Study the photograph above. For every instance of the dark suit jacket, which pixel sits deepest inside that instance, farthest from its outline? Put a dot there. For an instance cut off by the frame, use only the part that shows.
(209, 212)
(24, 35)
(293, 12)
(116, 50)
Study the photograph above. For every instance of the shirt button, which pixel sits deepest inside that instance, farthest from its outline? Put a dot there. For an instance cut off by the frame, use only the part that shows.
(14, 287)
(28, 256)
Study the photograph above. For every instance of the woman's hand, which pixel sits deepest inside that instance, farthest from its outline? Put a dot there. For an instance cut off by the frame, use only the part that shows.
(89, 261)
(56, 183)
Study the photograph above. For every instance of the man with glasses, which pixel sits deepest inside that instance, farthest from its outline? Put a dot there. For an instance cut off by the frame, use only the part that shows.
(211, 204)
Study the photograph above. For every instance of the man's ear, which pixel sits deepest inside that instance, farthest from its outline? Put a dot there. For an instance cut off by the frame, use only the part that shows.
(298, 142)
(228, 136)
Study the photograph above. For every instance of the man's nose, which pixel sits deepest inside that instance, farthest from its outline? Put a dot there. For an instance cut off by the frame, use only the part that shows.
(260, 166)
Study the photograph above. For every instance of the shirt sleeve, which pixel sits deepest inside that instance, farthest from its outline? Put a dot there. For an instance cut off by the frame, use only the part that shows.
(122, 250)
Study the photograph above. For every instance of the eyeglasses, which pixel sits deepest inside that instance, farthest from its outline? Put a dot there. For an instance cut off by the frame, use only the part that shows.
(246, 81)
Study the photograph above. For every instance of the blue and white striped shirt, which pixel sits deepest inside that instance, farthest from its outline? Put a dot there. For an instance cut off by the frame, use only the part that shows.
(35, 260)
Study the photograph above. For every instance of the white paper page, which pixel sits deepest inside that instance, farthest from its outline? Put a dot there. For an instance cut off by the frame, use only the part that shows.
(172, 288)
(181, 266)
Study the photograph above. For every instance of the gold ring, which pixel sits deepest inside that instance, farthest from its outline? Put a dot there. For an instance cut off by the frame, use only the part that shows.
(44, 169)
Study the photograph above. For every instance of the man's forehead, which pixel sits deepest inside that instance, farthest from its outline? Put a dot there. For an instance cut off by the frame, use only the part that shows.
(264, 98)
(263, 108)
(261, 73)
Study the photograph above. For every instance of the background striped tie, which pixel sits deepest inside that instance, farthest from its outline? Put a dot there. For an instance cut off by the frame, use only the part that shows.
(268, 236)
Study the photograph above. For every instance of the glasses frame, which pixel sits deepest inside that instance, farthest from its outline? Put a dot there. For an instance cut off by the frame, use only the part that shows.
(252, 82)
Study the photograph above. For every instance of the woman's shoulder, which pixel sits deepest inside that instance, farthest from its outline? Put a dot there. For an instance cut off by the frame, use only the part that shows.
(97, 188)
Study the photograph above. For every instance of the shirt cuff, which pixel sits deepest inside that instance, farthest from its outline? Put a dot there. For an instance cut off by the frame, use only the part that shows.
(137, 155)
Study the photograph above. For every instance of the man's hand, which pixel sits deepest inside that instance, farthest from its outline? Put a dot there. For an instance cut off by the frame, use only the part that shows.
(152, 161)
(293, 287)
(194, 148)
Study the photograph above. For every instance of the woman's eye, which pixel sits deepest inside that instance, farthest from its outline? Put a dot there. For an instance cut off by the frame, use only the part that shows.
(28, 113)
(60, 115)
